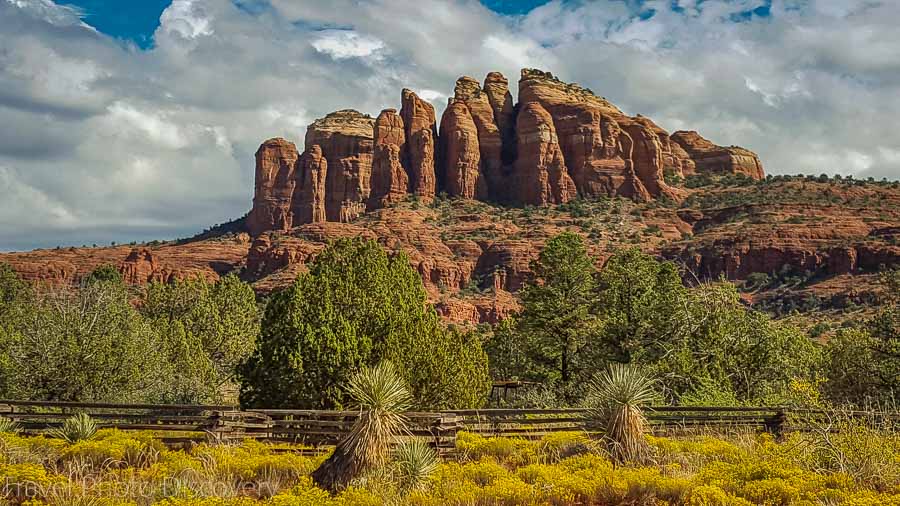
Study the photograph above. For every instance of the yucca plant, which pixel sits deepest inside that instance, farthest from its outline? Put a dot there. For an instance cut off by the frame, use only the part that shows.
(7, 425)
(615, 398)
(382, 397)
(76, 428)
(415, 461)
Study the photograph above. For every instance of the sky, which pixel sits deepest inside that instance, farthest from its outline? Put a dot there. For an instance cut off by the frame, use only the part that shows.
(124, 121)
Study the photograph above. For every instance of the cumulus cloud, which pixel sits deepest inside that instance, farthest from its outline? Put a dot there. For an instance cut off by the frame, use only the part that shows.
(103, 141)
(343, 44)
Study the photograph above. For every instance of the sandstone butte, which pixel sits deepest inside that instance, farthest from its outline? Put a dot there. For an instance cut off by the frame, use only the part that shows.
(560, 145)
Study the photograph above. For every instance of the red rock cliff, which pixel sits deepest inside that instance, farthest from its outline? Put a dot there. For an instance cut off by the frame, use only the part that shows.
(560, 142)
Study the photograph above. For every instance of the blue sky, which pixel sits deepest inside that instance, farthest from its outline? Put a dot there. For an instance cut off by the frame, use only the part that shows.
(136, 20)
(112, 143)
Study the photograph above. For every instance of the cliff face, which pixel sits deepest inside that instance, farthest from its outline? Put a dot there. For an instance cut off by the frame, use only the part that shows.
(560, 142)
(276, 161)
(712, 159)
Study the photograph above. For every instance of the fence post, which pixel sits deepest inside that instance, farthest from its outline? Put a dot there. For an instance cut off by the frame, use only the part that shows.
(776, 424)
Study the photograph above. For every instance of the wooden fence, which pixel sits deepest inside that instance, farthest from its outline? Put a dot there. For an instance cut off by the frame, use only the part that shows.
(184, 423)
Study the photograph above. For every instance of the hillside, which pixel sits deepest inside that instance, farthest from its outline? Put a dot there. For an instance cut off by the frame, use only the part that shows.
(472, 203)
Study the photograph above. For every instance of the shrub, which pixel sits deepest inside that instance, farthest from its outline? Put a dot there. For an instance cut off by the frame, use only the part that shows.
(76, 428)
(356, 307)
(615, 399)
(415, 461)
(7, 425)
(382, 398)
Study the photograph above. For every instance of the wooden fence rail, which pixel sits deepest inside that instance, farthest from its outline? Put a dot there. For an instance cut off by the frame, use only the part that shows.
(185, 423)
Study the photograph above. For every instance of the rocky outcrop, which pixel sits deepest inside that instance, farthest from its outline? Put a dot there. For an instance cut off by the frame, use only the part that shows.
(461, 153)
(347, 141)
(541, 175)
(273, 194)
(575, 144)
(421, 141)
(140, 267)
(591, 134)
(496, 87)
(469, 92)
(389, 182)
(712, 159)
(309, 191)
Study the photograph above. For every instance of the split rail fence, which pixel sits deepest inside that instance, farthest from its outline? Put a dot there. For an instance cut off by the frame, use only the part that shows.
(186, 424)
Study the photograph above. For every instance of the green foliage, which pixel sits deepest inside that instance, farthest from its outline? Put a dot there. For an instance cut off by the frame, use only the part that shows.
(14, 294)
(8, 426)
(208, 330)
(723, 349)
(639, 299)
(557, 318)
(104, 274)
(863, 364)
(85, 344)
(357, 306)
(89, 343)
(80, 427)
(701, 342)
(415, 461)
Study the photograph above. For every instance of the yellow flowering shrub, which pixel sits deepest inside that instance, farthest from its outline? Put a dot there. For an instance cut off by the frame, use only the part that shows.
(251, 462)
(710, 495)
(16, 448)
(209, 501)
(510, 451)
(558, 470)
(114, 448)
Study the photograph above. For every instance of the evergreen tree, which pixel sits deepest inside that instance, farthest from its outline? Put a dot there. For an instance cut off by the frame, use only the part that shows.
(556, 320)
(639, 303)
(208, 330)
(84, 345)
(357, 306)
(104, 273)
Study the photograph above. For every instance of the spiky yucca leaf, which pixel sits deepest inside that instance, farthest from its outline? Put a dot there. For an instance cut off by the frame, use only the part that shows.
(7, 425)
(381, 397)
(415, 462)
(76, 428)
(615, 399)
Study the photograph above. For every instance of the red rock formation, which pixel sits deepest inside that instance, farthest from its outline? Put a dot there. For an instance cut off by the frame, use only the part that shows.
(541, 175)
(648, 159)
(421, 138)
(346, 138)
(460, 151)
(469, 92)
(140, 267)
(712, 159)
(271, 210)
(496, 86)
(676, 161)
(604, 152)
(309, 191)
(389, 179)
(589, 129)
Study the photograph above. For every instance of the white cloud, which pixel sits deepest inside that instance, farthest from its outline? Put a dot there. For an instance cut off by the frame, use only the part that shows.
(343, 44)
(154, 126)
(112, 143)
(187, 18)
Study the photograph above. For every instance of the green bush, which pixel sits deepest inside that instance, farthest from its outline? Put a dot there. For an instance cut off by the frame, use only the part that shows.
(358, 306)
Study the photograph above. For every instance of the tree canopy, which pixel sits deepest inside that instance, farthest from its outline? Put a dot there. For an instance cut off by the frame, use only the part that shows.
(357, 306)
